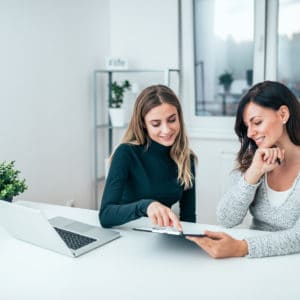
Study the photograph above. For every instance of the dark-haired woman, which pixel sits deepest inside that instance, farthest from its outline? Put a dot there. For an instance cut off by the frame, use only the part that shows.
(268, 179)
(153, 167)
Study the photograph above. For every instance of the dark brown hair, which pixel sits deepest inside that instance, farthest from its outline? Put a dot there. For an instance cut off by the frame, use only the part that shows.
(269, 94)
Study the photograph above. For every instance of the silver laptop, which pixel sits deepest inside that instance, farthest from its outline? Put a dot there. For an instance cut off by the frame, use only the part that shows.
(59, 234)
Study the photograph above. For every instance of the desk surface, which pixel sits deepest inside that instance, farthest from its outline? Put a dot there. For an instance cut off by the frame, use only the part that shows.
(140, 265)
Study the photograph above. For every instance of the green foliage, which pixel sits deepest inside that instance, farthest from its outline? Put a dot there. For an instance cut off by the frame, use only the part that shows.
(10, 184)
(117, 97)
(226, 79)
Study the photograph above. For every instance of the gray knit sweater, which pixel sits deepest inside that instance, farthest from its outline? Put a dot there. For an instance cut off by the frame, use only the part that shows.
(281, 223)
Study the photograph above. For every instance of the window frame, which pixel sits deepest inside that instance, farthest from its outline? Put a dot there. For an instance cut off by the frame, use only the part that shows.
(264, 66)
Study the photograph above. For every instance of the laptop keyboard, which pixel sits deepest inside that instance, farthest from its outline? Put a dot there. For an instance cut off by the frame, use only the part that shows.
(74, 240)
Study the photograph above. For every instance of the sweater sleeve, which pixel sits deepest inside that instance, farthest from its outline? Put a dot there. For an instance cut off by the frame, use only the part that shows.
(188, 201)
(275, 243)
(234, 205)
(112, 212)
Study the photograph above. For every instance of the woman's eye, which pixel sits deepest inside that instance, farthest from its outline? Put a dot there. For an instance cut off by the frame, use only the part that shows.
(257, 123)
(155, 125)
(172, 120)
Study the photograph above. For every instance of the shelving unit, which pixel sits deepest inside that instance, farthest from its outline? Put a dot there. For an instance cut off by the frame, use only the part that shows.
(107, 125)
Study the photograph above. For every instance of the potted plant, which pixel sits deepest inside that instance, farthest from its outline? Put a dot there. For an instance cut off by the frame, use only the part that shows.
(10, 184)
(226, 80)
(116, 112)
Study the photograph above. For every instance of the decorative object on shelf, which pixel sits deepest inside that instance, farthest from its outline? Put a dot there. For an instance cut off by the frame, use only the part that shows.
(116, 63)
(10, 184)
(226, 80)
(116, 112)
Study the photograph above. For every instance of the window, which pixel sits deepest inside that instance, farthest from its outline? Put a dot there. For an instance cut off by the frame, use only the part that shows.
(224, 46)
(251, 40)
(288, 67)
(267, 51)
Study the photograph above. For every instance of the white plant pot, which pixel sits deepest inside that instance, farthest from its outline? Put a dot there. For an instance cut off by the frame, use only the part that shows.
(117, 117)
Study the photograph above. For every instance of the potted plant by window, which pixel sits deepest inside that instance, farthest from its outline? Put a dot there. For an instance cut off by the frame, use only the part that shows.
(226, 80)
(10, 184)
(116, 112)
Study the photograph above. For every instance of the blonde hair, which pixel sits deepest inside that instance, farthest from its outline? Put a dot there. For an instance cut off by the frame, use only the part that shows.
(136, 132)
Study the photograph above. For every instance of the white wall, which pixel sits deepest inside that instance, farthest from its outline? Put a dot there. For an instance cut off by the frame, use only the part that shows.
(146, 32)
(48, 51)
(216, 160)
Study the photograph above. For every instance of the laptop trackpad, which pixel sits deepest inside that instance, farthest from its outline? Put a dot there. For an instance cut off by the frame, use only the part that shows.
(78, 227)
(68, 224)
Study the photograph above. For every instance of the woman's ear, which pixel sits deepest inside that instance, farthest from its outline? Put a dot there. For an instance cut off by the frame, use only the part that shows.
(284, 113)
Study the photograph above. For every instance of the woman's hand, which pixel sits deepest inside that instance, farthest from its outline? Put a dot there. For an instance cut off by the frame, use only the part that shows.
(264, 160)
(162, 215)
(221, 245)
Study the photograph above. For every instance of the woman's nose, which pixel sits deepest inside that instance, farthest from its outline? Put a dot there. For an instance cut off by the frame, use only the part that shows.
(165, 128)
(250, 132)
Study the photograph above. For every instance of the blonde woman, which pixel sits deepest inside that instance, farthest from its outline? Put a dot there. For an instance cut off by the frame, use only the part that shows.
(153, 167)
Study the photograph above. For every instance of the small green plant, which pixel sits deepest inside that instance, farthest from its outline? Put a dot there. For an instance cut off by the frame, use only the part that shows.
(226, 80)
(117, 96)
(10, 184)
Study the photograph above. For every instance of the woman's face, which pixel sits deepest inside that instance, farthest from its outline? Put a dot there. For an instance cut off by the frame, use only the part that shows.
(162, 124)
(264, 125)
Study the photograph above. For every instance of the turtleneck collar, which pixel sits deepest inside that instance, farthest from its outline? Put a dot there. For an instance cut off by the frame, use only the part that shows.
(155, 147)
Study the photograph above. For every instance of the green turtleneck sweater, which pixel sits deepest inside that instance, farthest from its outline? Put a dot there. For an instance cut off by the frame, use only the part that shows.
(139, 176)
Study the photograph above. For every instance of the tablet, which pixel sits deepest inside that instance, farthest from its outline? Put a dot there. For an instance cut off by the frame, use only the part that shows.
(169, 231)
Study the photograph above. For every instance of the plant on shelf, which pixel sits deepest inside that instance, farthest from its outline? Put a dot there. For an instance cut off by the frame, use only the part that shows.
(117, 96)
(226, 80)
(10, 184)
(116, 99)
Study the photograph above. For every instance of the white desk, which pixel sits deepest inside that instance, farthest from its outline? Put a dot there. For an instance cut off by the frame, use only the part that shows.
(140, 265)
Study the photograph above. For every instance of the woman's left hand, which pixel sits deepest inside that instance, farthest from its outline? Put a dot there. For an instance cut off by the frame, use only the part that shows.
(221, 245)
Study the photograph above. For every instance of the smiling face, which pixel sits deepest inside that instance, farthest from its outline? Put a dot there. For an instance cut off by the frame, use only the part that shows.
(162, 124)
(265, 126)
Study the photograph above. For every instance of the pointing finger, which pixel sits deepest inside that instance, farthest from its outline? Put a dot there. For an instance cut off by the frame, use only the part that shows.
(175, 221)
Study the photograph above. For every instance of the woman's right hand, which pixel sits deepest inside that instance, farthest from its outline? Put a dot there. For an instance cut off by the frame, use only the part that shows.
(264, 160)
(162, 215)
